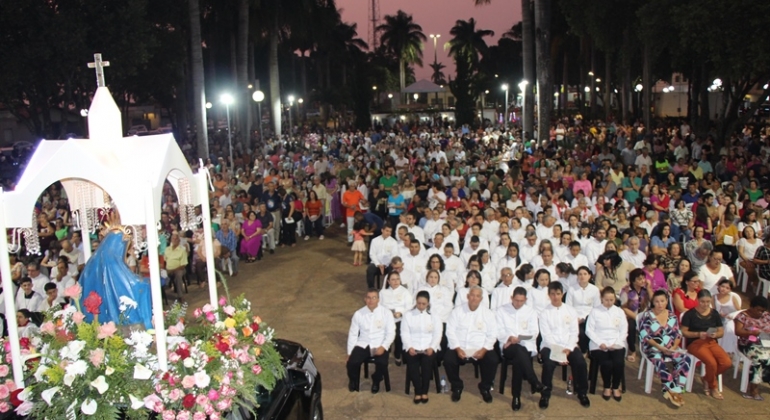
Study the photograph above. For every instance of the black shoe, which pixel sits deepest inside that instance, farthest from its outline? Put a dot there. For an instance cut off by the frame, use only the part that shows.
(486, 395)
(544, 402)
(352, 386)
(584, 401)
(416, 401)
(272, 251)
(516, 404)
(606, 397)
(456, 395)
(424, 400)
(398, 362)
(375, 387)
(538, 388)
(617, 398)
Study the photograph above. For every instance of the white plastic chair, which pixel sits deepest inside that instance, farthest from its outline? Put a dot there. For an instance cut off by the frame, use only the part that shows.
(645, 363)
(743, 277)
(694, 361)
(739, 357)
(763, 288)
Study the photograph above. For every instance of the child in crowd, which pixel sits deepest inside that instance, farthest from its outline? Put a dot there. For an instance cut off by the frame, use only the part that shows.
(359, 247)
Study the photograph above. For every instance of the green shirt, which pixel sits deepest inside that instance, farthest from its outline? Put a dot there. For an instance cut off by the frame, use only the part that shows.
(388, 181)
(631, 195)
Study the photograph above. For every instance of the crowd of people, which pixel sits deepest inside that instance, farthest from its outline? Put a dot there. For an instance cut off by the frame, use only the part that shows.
(606, 241)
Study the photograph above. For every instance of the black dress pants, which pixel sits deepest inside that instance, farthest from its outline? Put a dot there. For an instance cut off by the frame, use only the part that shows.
(611, 365)
(358, 357)
(487, 365)
(579, 371)
(522, 367)
(419, 369)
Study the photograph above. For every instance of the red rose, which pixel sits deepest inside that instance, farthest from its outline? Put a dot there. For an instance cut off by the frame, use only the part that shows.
(189, 401)
(24, 343)
(92, 303)
(183, 352)
(254, 326)
(222, 346)
(14, 399)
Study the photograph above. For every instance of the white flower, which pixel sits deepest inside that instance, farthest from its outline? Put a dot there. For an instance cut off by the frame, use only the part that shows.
(100, 384)
(219, 325)
(49, 393)
(68, 379)
(136, 403)
(72, 350)
(77, 368)
(41, 370)
(88, 407)
(126, 303)
(109, 371)
(65, 313)
(141, 341)
(141, 372)
(202, 379)
(25, 394)
(189, 362)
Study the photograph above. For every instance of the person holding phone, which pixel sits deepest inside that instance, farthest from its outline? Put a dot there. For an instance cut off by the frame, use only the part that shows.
(702, 326)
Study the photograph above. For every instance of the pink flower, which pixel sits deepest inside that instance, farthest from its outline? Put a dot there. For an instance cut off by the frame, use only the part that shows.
(208, 409)
(210, 317)
(168, 415)
(199, 416)
(172, 330)
(183, 415)
(153, 402)
(197, 312)
(213, 395)
(214, 416)
(4, 392)
(173, 357)
(4, 407)
(188, 382)
(229, 310)
(207, 308)
(175, 394)
(96, 357)
(107, 330)
(222, 301)
(201, 400)
(3, 371)
(48, 328)
(78, 317)
(26, 407)
(73, 291)
(259, 339)
(256, 369)
(10, 384)
(224, 405)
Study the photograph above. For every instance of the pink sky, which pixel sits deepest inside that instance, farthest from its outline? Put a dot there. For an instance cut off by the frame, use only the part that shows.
(436, 17)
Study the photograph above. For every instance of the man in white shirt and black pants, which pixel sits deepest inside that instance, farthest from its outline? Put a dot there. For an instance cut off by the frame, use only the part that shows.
(517, 331)
(372, 331)
(381, 250)
(559, 330)
(471, 333)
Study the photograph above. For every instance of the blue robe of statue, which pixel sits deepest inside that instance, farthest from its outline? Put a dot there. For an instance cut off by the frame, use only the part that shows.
(107, 274)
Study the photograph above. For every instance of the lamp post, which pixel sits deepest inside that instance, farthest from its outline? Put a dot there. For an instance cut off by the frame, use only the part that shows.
(505, 115)
(227, 99)
(300, 101)
(258, 96)
(435, 39)
(638, 88)
(291, 104)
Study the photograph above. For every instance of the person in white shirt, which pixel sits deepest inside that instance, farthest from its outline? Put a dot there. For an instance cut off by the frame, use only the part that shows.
(440, 296)
(415, 230)
(382, 249)
(575, 258)
(398, 299)
(502, 293)
(471, 334)
(511, 259)
(421, 332)
(546, 261)
(473, 278)
(595, 247)
(372, 331)
(451, 237)
(415, 260)
(715, 270)
(447, 278)
(471, 249)
(501, 250)
(488, 271)
(39, 280)
(583, 298)
(538, 293)
(632, 253)
(61, 279)
(517, 331)
(453, 265)
(26, 297)
(432, 226)
(559, 331)
(52, 298)
(607, 330)
(530, 248)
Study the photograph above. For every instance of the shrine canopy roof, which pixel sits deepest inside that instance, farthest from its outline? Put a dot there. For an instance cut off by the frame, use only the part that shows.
(124, 168)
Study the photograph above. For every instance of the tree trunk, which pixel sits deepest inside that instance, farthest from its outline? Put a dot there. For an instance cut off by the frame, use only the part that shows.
(607, 86)
(564, 94)
(626, 95)
(199, 91)
(647, 86)
(402, 77)
(528, 61)
(253, 118)
(543, 48)
(592, 81)
(275, 84)
(242, 70)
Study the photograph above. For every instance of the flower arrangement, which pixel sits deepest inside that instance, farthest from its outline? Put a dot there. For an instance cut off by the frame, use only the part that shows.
(8, 392)
(216, 363)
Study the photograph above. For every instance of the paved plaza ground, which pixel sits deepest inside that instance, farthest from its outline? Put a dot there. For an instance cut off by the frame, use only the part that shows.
(309, 293)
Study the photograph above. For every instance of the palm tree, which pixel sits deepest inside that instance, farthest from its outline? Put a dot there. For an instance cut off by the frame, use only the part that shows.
(466, 46)
(468, 42)
(404, 39)
(199, 93)
(543, 49)
(438, 76)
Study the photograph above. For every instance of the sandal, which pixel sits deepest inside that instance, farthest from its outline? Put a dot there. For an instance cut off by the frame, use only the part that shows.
(717, 395)
(747, 396)
(631, 358)
(668, 395)
(759, 398)
(706, 389)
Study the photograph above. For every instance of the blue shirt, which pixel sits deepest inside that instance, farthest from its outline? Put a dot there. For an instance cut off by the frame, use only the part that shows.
(658, 242)
(230, 241)
(690, 198)
(397, 201)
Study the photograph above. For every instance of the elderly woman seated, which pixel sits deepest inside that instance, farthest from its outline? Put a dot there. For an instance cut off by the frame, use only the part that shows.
(749, 325)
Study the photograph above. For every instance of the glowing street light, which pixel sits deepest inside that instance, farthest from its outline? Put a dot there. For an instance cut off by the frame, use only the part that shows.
(258, 96)
(209, 105)
(638, 87)
(291, 104)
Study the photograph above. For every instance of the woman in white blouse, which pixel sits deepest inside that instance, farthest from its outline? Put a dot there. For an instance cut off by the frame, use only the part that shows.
(538, 294)
(607, 328)
(487, 283)
(421, 334)
(473, 278)
(747, 248)
(398, 299)
(583, 298)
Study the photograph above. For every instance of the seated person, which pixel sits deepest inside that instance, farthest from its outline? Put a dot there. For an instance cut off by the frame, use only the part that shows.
(372, 331)
(421, 333)
(52, 298)
(749, 324)
(471, 333)
(607, 328)
(559, 331)
(26, 298)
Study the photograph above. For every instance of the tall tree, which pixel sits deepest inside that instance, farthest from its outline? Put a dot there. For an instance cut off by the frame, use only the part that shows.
(242, 79)
(543, 49)
(404, 39)
(438, 77)
(198, 82)
(466, 47)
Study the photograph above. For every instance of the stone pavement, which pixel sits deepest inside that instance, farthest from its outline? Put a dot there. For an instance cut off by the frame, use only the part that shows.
(309, 293)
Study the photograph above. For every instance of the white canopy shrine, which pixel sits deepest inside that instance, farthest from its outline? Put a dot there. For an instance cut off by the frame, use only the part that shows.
(98, 173)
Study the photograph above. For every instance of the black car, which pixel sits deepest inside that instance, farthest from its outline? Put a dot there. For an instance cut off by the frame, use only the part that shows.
(295, 397)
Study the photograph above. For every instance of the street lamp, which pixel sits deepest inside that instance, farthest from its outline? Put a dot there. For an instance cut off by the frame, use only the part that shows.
(523, 88)
(505, 116)
(416, 97)
(638, 87)
(258, 96)
(209, 105)
(291, 104)
(435, 39)
(228, 100)
(300, 101)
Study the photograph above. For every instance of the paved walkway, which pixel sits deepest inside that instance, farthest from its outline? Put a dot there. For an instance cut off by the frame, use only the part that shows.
(309, 293)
